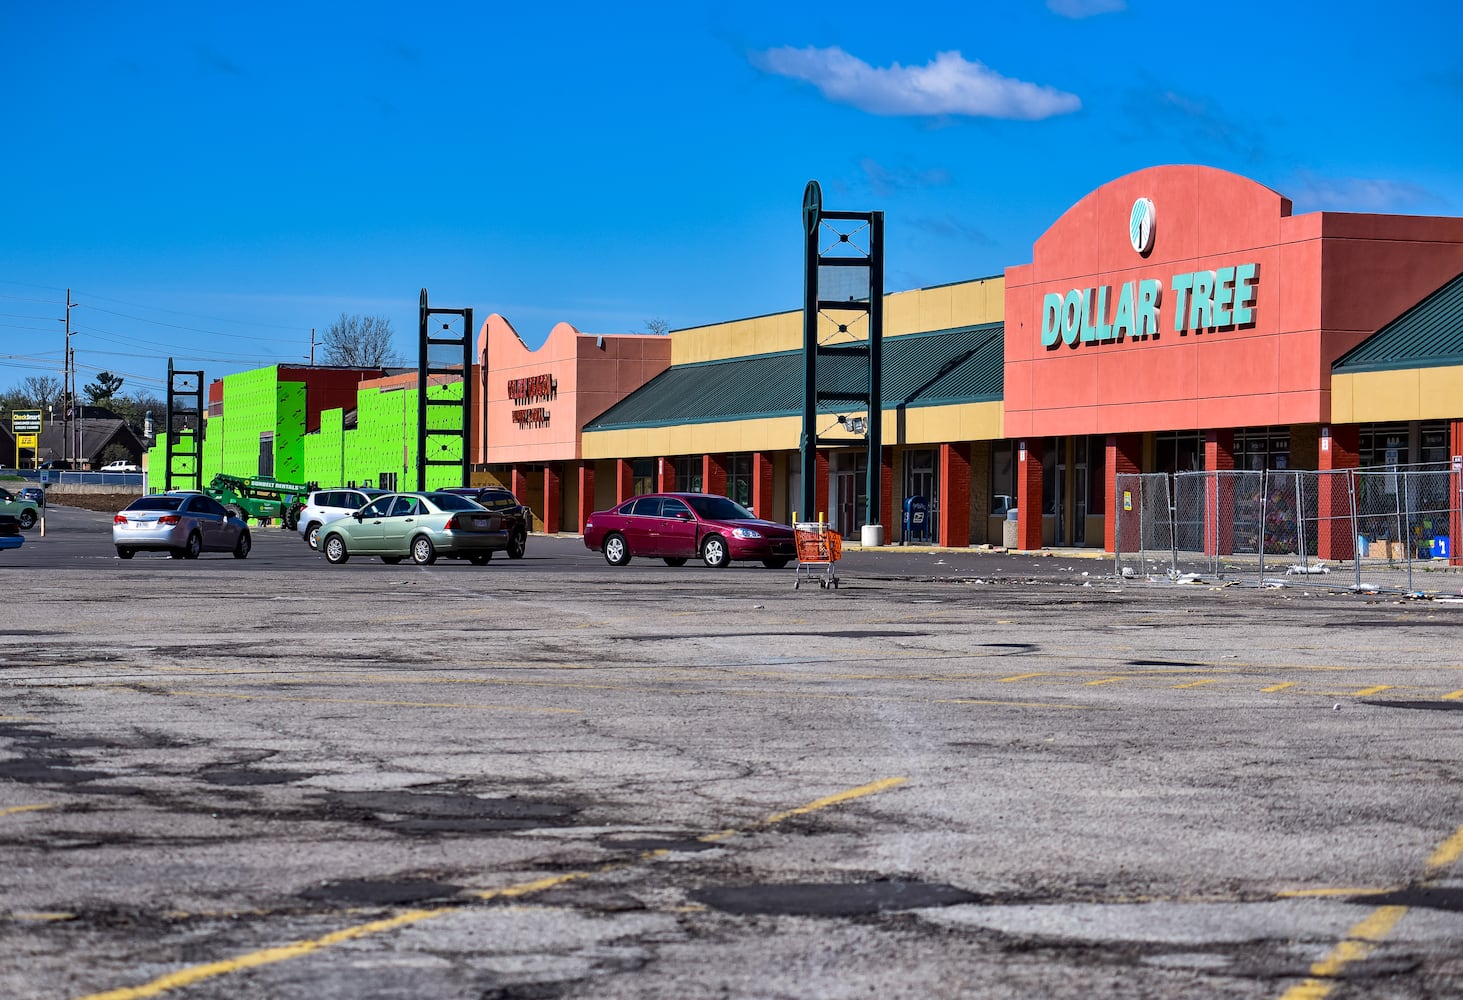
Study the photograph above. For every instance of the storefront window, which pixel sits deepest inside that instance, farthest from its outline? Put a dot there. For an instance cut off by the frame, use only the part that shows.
(1179, 452)
(1434, 447)
(1383, 445)
(1260, 448)
(688, 474)
(1003, 478)
(739, 479)
(642, 471)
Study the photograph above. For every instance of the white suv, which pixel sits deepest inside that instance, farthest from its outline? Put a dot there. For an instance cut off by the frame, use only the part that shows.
(324, 506)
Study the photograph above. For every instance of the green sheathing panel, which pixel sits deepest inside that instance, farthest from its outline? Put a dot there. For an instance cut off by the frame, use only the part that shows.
(252, 404)
(157, 462)
(289, 432)
(325, 451)
(384, 439)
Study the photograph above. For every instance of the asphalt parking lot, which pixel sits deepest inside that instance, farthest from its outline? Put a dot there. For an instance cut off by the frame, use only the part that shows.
(957, 775)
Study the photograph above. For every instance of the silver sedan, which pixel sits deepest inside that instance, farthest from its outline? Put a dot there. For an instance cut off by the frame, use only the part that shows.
(180, 524)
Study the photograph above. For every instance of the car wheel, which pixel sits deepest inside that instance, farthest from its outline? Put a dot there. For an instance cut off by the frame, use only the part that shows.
(195, 546)
(292, 515)
(675, 560)
(27, 518)
(483, 558)
(774, 563)
(243, 545)
(423, 552)
(617, 553)
(518, 544)
(335, 550)
(715, 553)
(391, 560)
(312, 536)
(123, 552)
(236, 511)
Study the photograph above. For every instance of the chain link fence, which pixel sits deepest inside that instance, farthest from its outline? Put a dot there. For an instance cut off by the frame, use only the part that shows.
(1392, 529)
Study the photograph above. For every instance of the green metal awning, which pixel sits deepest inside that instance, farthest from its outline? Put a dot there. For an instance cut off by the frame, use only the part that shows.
(961, 365)
(1429, 335)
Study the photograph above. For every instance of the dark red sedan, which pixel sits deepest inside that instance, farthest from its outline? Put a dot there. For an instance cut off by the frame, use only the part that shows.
(680, 526)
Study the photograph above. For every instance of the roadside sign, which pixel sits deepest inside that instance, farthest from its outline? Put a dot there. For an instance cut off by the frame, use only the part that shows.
(25, 421)
(30, 441)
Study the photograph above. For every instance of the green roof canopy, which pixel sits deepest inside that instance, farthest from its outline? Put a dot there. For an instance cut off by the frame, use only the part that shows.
(962, 365)
(1429, 335)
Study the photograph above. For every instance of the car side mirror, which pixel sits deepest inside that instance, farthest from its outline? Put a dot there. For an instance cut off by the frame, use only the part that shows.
(357, 515)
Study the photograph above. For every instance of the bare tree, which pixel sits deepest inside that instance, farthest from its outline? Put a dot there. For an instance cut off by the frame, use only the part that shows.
(657, 326)
(40, 390)
(360, 341)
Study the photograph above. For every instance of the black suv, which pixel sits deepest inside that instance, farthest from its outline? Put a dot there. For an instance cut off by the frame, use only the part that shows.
(499, 500)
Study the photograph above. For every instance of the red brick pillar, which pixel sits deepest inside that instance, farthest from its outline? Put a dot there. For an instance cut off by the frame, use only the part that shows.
(665, 475)
(1339, 449)
(954, 521)
(1219, 492)
(887, 517)
(1028, 494)
(713, 474)
(518, 482)
(1124, 457)
(762, 492)
(552, 499)
(586, 494)
(1455, 497)
(624, 479)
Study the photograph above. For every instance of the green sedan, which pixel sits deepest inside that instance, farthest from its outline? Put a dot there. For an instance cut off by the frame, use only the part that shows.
(422, 526)
(24, 511)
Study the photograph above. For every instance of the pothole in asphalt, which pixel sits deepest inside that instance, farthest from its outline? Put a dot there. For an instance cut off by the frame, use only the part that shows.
(838, 900)
(448, 812)
(380, 892)
(648, 844)
(1429, 898)
(45, 771)
(244, 776)
(1432, 706)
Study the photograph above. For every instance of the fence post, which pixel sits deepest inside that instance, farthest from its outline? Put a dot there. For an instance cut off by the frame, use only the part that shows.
(1355, 525)
(1300, 523)
(1264, 505)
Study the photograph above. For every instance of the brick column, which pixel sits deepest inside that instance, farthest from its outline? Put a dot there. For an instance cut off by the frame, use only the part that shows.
(624, 479)
(552, 499)
(1028, 494)
(887, 517)
(586, 494)
(954, 521)
(1339, 449)
(1124, 457)
(665, 475)
(713, 474)
(762, 492)
(1219, 492)
(518, 483)
(1455, 495)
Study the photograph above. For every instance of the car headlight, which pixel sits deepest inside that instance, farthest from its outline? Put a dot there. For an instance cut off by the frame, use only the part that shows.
(746, 533)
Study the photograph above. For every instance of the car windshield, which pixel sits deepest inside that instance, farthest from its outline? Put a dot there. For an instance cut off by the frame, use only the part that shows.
(451, 501)
(497, 501)
(720, 509)
(156, 503)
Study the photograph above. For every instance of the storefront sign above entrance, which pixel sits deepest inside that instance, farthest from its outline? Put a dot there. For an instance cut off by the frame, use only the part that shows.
(1221, 299)
(524, 390)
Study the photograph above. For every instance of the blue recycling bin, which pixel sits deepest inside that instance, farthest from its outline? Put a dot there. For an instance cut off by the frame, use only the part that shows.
(916, 520)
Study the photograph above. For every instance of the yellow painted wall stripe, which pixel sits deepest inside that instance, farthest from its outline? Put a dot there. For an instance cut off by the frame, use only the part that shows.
(298, 949)
(12, 810)
(1360, 942)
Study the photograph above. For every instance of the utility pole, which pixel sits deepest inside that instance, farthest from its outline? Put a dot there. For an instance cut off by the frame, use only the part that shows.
(313, 342)
(68, 385)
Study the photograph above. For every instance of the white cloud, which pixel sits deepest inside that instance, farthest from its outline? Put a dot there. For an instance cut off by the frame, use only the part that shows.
(950, 85)
(1313, 193)
(1085, 8)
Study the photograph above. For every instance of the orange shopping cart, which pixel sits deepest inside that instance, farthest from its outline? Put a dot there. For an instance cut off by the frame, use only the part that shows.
(818, 549)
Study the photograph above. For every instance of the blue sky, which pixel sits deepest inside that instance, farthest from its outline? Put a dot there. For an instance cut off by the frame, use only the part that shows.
(212, 180)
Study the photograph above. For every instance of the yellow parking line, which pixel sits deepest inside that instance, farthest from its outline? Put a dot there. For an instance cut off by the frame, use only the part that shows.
(371, 701)
(1018, 677)
(1194, 684)
(1373, 690)
(297, 949)
(1012, 704)
(1448, 852)
(12, 810)
(1360, 942)
(1453, 696)
(1278, 687)
(1107, 680)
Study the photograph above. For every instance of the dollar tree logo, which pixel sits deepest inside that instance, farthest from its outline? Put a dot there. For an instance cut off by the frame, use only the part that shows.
(1140, 226)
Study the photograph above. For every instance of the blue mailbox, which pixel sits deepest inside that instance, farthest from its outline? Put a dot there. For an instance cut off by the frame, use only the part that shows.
(916, 520)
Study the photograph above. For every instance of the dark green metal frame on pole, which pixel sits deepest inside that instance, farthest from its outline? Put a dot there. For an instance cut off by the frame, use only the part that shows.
(431, 438)
(871, 350)
(185, 404)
